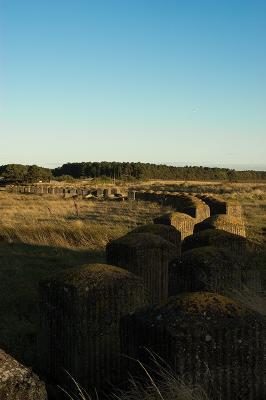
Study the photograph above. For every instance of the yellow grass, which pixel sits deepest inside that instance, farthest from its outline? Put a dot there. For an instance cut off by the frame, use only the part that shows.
(42, 235)
(54, 221)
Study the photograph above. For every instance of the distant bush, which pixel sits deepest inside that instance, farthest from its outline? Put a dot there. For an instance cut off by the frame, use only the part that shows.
(15, 173)
(64, 178)
(102, 179)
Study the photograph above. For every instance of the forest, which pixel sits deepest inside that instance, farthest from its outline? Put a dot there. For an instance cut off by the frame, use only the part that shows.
(143, 171)
(128, 171)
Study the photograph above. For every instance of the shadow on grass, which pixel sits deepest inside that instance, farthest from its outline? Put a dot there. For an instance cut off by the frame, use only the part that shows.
(22, 266)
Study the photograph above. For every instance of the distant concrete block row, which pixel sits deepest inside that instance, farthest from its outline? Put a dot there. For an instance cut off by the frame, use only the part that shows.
(63, 191)
(199, 207)
(206, 212)
(183, 203)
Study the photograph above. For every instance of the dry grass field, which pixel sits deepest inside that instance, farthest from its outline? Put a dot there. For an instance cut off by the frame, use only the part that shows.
(69, 223)
(40, 235)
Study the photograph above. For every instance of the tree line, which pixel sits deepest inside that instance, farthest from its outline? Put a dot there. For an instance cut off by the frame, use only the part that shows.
(18, 173)
(143, 171)
(126, 171)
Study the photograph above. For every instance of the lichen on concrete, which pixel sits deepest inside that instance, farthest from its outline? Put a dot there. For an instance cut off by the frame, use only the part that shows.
(18, 382)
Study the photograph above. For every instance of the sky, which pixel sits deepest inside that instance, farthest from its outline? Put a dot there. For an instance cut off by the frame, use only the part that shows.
(163, 81)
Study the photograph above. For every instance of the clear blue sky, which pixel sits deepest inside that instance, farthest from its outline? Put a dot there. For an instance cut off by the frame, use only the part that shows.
(135, 80)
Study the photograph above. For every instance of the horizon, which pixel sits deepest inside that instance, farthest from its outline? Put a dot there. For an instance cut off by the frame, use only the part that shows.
(236, 167)
(144, 81)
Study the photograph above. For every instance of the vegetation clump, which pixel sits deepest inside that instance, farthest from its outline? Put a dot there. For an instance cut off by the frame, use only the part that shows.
(16, 173)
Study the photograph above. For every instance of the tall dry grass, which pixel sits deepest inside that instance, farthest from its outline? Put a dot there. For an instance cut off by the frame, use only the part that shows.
(57, 222)
(166, 386)
(53, 221)
(43, 235)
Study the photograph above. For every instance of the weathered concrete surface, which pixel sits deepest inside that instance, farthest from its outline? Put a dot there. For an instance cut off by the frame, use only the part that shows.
(206, 339)
(18, 382)
(80, 316)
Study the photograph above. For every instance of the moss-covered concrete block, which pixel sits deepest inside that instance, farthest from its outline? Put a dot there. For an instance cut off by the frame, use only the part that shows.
(167, 232)
(213, 269)
(223, 222)
(207, 339)
(182, 222)
(146, 255)
(217, 238)
(80, 314)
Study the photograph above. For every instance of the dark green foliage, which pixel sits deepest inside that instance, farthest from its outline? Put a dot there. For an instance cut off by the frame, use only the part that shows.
(128, 171)
(66, 178)
(36, 174)
(14, 172)
(25, 173)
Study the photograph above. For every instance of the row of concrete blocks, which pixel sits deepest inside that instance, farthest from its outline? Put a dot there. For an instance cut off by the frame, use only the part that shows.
(93, 314)
(216, 247)
(55, 190)
(187, 204)
(199, 207)
(220, 206)
(188, 225)
(193, 214)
